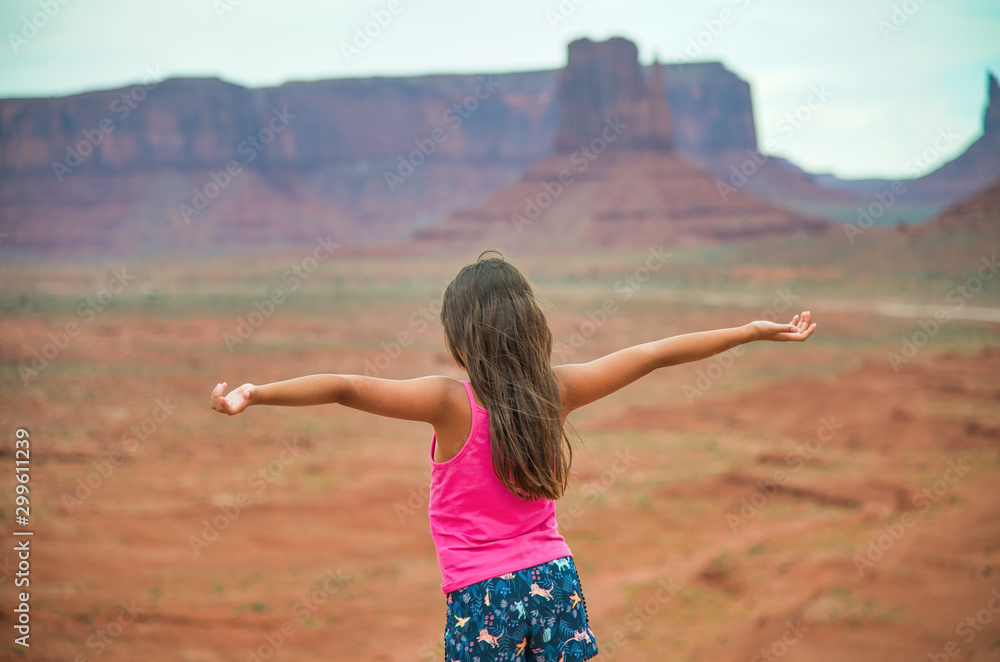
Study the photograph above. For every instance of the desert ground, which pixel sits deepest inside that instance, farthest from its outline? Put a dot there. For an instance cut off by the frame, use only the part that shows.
(827, 501)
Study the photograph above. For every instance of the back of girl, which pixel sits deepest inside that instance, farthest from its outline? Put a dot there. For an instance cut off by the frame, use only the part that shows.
(509, 575)
(500, 456)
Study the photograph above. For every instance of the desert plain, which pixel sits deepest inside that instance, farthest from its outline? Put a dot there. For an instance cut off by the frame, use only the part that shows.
(827, 501)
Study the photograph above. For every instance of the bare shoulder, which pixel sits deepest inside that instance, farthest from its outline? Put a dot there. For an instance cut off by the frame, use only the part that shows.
(451, 397)
(453, 390)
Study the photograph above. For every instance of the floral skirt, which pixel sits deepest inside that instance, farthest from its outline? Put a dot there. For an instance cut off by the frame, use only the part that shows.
(533, 614)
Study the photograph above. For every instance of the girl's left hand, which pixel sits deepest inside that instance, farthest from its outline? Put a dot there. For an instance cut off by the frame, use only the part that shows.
(237, 400)
(800, 328)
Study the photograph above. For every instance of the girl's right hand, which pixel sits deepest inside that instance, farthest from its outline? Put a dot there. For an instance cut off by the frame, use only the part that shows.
(800, 328)
(237, 400)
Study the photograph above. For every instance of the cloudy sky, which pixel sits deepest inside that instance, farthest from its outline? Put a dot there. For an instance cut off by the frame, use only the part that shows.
(885, 78)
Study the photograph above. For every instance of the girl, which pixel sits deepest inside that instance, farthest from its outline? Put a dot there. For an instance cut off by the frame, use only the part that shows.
(500, 456)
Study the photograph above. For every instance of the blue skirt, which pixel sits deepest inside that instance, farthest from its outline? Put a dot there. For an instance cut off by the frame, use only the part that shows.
(533, 614)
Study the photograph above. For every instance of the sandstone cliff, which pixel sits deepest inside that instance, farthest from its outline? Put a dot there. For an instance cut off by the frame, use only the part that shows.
(378, 159)
(977, 216)
(615, 181)
(975, 168)
(370, 159)
(602, 81)
(928, 188)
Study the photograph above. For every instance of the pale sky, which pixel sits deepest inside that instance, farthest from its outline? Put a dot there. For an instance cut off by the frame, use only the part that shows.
(885, 78)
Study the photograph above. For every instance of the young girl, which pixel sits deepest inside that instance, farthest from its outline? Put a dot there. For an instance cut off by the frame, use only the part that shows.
(500, 456)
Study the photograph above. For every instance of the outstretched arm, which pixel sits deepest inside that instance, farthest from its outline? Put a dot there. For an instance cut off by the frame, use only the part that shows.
(424, 399)
(583, 383)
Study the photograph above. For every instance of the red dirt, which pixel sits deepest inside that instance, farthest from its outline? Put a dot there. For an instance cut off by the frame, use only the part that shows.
(347, 505)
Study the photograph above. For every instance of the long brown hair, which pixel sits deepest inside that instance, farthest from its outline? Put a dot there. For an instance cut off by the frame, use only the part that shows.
(498, 333)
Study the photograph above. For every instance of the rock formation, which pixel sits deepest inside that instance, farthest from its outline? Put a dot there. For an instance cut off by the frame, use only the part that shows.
(372, 159)
(783, 183)
(977, 167)
(978, 215)
(193, 124)
(991, 118)
(604, 81)
(107, 172)
(615, 181)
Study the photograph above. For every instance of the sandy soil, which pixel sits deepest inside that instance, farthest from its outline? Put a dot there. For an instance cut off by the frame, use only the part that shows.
(808, 502)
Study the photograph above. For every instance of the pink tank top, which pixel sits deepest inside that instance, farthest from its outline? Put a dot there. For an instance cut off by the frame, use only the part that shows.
(480, 529)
